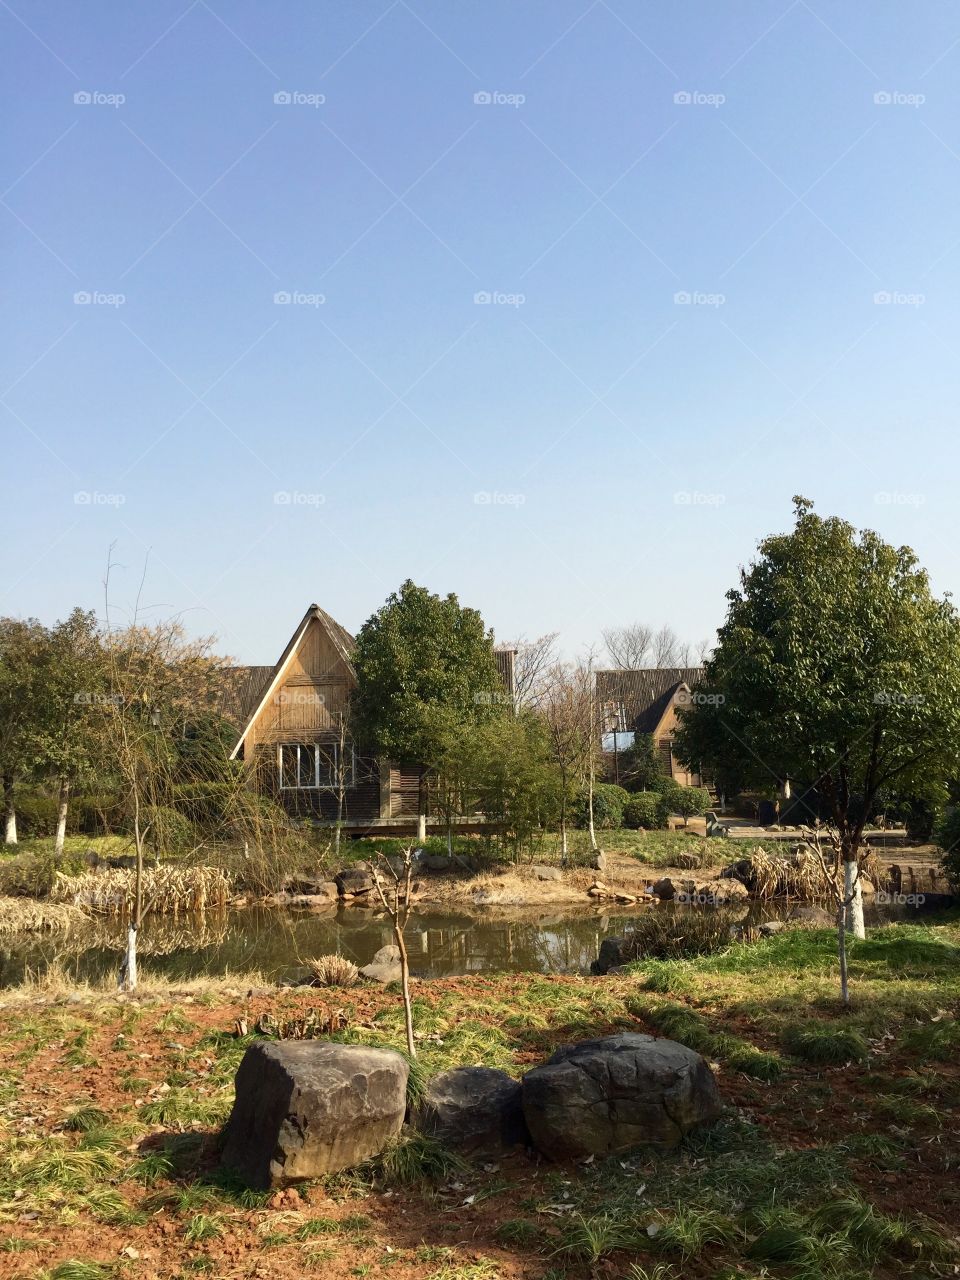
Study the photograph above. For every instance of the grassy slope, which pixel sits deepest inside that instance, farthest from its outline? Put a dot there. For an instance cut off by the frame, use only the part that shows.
(837, 1157)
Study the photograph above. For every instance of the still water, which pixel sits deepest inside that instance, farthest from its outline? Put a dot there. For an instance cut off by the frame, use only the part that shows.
(277, 943)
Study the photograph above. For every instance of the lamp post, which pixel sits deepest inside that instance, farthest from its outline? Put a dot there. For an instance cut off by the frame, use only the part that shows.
(615, 729)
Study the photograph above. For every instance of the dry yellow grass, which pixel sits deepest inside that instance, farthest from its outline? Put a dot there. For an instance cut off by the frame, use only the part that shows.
(26, 915)
(167, 890)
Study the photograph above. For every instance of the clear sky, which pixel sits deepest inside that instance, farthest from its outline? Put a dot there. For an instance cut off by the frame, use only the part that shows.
(720, 245)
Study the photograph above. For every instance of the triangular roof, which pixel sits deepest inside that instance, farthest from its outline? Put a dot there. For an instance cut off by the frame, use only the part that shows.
(643, 694)
(339, 637)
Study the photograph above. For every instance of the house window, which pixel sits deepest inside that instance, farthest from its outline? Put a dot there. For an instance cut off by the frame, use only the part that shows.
(313, 766)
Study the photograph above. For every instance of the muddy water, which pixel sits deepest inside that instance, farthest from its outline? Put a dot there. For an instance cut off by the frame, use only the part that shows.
(277, 943)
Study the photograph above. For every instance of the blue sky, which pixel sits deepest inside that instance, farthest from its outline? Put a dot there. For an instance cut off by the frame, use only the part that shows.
(566, 349)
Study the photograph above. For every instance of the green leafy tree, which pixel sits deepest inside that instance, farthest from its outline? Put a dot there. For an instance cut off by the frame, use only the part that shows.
(502, 768)
(22, 643)
(837, 667)
(426, 673)
(70, 690)
(641, 766)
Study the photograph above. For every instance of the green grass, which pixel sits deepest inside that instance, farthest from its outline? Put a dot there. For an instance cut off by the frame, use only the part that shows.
(416, 1158)
(825, 1045)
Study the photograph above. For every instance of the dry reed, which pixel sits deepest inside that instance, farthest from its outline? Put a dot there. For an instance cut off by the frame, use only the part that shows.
(334, 971)
(167, 890)
(24, 915)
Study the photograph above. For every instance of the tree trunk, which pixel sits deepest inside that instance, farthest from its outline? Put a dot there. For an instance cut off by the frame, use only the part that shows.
(842, 951)
(593, 831)
(9, 810)
(422, 810)
(853, 893)
(62, 817)
(405, 987)
(128, 973)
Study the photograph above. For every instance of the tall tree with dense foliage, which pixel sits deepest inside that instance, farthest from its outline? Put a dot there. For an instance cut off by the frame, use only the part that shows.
(69, 697)
(21, 646)
(836, 669)
(426, 672)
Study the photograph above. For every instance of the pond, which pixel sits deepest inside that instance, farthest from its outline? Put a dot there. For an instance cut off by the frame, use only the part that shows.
(277, 943)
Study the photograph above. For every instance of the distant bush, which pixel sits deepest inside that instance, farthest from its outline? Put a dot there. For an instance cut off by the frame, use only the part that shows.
(645, 809)
(608, 803)
(170, 831)
(96, 814)
(671, 792)
(948, 838)
(36, 813)
(691, 802)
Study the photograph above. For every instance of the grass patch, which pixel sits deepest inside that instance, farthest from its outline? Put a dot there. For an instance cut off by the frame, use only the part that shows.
(825, 1045)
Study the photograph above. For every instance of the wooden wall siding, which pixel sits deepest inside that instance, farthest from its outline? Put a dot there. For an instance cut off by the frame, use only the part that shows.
(314, 691)
(361, 802)
(404, 790)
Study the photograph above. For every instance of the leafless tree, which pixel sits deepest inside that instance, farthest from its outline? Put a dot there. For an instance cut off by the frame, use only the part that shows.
(397, 902)
(567, 707)
(843, 880)
(533, 660)
(629, 647)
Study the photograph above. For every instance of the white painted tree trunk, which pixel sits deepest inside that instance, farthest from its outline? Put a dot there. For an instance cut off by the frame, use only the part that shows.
(10, 812)
(421, 826)
(853, 892)
(131, 961)
(62, 817)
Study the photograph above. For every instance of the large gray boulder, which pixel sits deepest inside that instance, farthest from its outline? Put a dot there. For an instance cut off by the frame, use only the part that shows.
(304, 1108)
(385, 965)
(473, 1109)
(611, 955)
(541, 872)
(610, 1095)
(354, 880)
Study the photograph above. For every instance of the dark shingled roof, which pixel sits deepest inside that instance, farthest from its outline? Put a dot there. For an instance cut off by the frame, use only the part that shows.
(642, 696)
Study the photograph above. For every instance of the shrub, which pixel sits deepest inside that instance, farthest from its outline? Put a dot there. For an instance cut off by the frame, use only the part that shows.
(36, 813)
(691, 802)
(948, 838)
(608, 803)
(645, 809)
(96, 814)
(170, 831)
(334, 971)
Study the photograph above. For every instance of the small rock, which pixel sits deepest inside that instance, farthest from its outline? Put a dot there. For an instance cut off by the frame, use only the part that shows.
(611, 954)
(598, 862)
(353, 880)
(541, 872)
